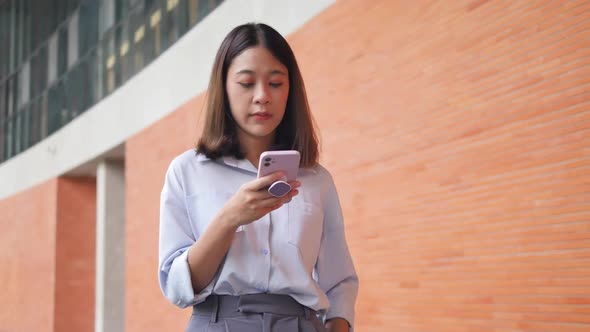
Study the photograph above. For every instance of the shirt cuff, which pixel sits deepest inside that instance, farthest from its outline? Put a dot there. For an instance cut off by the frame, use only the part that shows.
(179, 288)
(341, 307)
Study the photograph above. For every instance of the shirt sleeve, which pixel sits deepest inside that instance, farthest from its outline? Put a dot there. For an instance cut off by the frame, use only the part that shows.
(175, 239)
(335, 270)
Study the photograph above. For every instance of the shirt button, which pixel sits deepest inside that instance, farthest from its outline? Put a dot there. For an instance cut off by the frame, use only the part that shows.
(264, 252)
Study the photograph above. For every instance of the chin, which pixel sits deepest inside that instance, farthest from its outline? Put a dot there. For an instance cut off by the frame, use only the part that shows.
(260, 132)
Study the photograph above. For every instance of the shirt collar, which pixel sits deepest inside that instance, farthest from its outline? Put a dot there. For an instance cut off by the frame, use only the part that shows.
(202, 157)
(244, 164)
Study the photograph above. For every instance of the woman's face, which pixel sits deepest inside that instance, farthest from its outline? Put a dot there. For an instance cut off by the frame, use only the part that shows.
(257, 87)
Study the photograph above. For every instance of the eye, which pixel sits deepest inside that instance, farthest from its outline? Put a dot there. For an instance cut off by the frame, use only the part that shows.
(275, 85)
(246, 85)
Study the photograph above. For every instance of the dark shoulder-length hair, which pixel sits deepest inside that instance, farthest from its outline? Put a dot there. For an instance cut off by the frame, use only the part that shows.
(297, 129)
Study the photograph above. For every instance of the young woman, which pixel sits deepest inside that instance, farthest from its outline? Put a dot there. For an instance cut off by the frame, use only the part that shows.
(246, 260)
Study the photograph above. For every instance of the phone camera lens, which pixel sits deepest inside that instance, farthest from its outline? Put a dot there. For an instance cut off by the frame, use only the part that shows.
(267, 159)
(266, 164)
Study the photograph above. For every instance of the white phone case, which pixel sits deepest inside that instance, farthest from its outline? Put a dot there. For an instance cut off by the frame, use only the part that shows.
(286, 161)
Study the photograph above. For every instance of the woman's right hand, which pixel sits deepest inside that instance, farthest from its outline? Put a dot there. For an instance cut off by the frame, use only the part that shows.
(252, 201)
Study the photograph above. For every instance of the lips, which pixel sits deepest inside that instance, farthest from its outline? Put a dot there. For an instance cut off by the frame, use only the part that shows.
(262, 115)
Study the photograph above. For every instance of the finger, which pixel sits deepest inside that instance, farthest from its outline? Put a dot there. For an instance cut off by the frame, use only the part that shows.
(270, 202)
(291, 194)
(285, 199)
(288, 197)
(265, 181)
(261, 194)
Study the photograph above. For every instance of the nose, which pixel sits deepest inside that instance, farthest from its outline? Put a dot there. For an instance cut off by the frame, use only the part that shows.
(261, 94)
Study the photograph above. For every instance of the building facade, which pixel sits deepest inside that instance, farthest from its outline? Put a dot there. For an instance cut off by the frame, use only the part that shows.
(456, 132)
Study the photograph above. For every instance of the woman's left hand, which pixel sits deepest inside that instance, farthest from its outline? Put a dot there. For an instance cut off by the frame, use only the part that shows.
(337, 325)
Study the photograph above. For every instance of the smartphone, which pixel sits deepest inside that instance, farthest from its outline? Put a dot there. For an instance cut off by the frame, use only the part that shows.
(286, 161)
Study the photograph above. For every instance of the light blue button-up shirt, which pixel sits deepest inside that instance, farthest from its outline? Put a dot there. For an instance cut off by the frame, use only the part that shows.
(299, 249)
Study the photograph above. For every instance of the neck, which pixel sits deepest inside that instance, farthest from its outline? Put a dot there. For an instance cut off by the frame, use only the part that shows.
(253, 147)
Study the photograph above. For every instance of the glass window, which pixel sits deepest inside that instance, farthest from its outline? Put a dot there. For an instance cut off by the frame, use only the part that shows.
(125, 52)
(24, 127)
(13, 88)
(16, 133)
(3, 114)
(176, 22)
(71, 5)
(137, 30)
(24, 78)
(4, 39)
(59, 57)
(90, 77)
(45, 20)
(26, 33)
(52, 59)
(73, 40)
(39, 71)
(36, 29)
(152, 43)
(109, 62)
(62, 51)
(34, 122)
(56, 112)
(88, 26)
(106, 15)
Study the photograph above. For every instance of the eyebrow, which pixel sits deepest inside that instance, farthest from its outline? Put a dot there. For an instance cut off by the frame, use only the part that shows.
(251, 72)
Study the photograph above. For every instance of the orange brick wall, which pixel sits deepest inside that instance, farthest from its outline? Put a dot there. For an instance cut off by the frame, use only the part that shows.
(147, 157)
(47, 240)
(27, 259)
(457, 133)
(75, 255)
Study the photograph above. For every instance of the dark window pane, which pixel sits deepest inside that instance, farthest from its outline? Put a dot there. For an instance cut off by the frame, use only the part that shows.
(16, 134)
(109, 62)
(4, 39)
(3, 115)
(73, 92)
(88, 26)
(137, 25)
(90, 66)
(3, 108)
(72, 5)
(125, 52)
(176, 21)
(42, 114)
(34, 121)
(25, 127)
(152, 43)
(38, 74)
(62, 51)
(56, 111)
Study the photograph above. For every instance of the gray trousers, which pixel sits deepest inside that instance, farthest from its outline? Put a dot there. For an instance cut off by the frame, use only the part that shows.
(253, 313)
